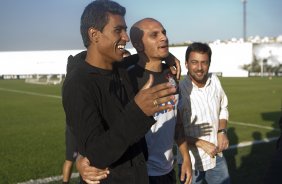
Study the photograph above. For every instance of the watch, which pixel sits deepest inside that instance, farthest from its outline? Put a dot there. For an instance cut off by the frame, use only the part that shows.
(223, 131)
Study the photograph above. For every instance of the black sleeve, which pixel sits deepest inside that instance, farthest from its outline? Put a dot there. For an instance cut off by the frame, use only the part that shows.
(102, 146)
(129, 60)
(110, 145)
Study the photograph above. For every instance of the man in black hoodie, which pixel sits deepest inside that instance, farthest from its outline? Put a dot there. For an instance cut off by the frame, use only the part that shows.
(106, 118)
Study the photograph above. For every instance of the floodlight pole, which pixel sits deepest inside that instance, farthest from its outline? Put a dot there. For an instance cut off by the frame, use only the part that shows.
(244, 20)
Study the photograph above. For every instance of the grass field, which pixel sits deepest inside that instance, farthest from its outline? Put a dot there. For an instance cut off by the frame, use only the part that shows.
(32, 128)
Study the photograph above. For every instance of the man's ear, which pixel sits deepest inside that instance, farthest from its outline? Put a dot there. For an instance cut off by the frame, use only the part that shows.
(186, 64)
(138, 46)
(93, 35)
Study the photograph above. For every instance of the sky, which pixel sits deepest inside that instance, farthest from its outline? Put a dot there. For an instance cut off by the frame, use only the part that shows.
(54, 24)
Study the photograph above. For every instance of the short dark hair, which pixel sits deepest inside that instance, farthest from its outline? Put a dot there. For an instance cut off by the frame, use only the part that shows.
(96, 15)
(198, 47)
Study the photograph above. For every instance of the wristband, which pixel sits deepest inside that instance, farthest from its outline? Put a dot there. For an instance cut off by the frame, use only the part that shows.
(223, 131)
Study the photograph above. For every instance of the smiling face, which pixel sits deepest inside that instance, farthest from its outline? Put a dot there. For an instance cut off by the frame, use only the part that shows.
(198, 67)
(112, 40)
(154, 39)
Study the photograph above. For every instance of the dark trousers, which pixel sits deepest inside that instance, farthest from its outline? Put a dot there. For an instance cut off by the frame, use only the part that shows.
(168, 178)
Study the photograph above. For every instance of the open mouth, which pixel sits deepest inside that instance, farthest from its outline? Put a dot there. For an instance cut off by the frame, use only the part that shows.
(121, 47)
(163, 46)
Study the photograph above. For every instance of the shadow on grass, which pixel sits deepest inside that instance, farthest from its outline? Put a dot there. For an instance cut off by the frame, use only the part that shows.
(253, 166)
(255, 160)
(251, 163)
(273, 117)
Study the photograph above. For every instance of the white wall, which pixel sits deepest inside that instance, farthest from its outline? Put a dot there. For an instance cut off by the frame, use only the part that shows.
(34, 62)
(229, 58)
(226, 58)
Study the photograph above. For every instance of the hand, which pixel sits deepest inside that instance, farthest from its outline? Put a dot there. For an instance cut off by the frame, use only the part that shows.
(149, 98)
(208, 147)
(186, 171)
(174, 64)
(90, 175)
(222, 142)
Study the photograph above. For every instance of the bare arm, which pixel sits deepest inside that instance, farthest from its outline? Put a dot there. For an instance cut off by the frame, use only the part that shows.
(170, 60)
(208, 147)
(186, 169)
(222, 139)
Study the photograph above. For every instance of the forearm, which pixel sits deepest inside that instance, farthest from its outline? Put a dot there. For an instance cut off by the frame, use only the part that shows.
(184, 150)
(222, 139)
(222, 124)
(196, 142)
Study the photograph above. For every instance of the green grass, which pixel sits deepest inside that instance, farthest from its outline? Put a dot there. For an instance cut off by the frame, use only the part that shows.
(32, 129)
(31, 132)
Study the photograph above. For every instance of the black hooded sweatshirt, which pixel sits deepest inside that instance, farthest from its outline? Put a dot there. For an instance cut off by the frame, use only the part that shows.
(108, 125)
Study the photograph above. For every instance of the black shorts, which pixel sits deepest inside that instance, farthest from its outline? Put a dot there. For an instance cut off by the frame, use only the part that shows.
(71, 146)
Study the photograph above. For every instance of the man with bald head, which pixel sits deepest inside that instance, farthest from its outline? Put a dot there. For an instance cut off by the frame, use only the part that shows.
(148, 37)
